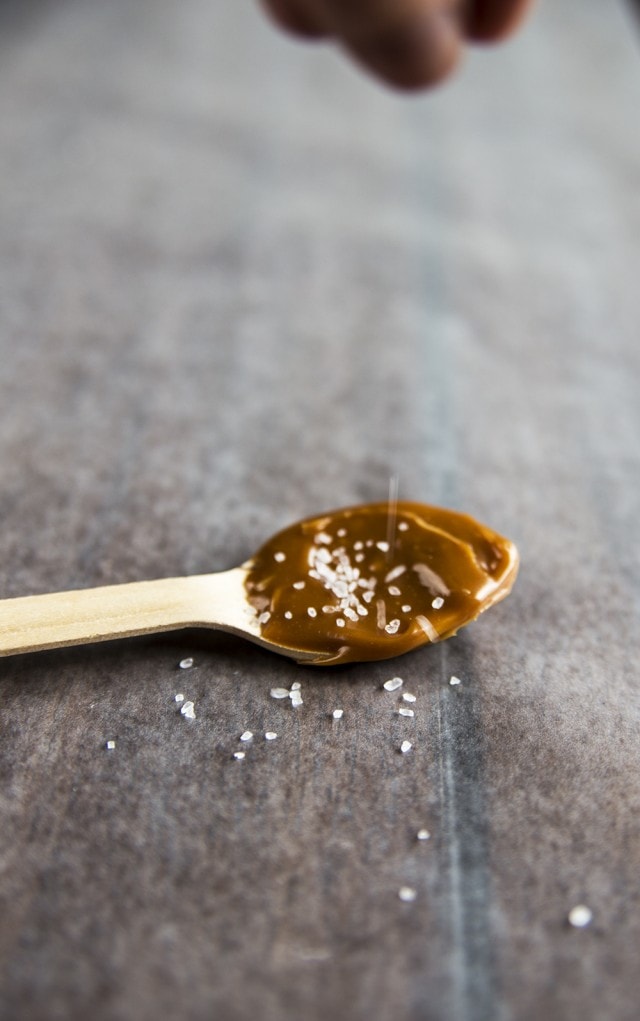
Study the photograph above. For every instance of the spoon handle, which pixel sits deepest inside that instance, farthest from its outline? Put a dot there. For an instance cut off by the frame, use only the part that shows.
(31, 623)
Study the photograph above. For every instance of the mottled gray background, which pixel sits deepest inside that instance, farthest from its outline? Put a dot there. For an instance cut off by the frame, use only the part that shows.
(241, 284)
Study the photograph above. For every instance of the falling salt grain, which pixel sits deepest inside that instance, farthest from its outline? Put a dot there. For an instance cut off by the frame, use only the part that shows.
(180, 697)
(423, 835)
(405, 747)
(580, 916)
(408, 697)
(279, 693)
(246, 736)
(238, 755)
(188, 710)
(186, 664)
(405, 711)
(455, 680)
(407, 894)
(270, 735)
(393, 684)
(338, 714)
(111, 745)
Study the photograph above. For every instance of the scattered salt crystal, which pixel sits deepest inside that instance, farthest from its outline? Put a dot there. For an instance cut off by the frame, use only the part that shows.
(339, 622)
(403, 526)
(279, 693)
(405, 747)
(455, 680)
(111, 745)
(338, 714)
(296, 686)
(358, 545)
(341, 533)
(180, 697)
(406, 608)
(296, 699)
(298, 585)
(264, 618)
(279, 557)
(437, 602)
(311, 610)
(186, 664)
(350, 613)
(322, 538)
(407, 894)
(408, 697)
(188, 710)
(405, 711)
(393, 590)
(423, 835)
(580, 916)
(383, 546)
(270, 735)
(368, 595)
(246, 736)
(288, 615)
(393, 684)
(392, 627)
(395, 573)
(238, 755)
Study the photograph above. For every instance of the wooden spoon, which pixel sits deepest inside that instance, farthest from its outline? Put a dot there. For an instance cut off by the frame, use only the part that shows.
(355, 584)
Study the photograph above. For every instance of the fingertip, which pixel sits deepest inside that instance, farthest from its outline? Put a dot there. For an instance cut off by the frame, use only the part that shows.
(293, 18)
(412, 56)
(491, 21)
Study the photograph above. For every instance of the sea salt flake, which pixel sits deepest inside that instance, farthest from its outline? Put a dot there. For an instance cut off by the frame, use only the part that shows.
(406, 608)
(395, 573)
(407, 894)
(187, 663)
(392, 627)
(188, 710)
(238, 755)
(338, 714)
(264, 618)
(393, 590)
(311, 610)
(340, 622)
(280, 557)
(393, 684)
(454, 680)
(322, 538)
(246, 736)
(299, 585)
(423, 835)
(403, 526)
(296, 686)
(405, 711)
(279, 693)
(405, 747)
(296, 699)
(383, 546)
(580, 916)
(179, 697)
(408, 697)
(437, 603)
(288, 615)
(111, 745)
(270, 735)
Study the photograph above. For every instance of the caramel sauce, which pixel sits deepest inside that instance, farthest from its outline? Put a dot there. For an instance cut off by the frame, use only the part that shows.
(360, 584)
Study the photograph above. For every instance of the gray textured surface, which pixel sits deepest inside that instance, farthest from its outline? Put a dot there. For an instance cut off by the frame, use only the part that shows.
(239, 285)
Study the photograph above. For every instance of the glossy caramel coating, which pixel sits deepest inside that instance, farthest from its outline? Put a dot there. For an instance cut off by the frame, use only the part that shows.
(360, 584)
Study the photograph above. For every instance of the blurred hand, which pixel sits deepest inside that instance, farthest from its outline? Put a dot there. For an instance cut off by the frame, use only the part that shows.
(408, 43)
